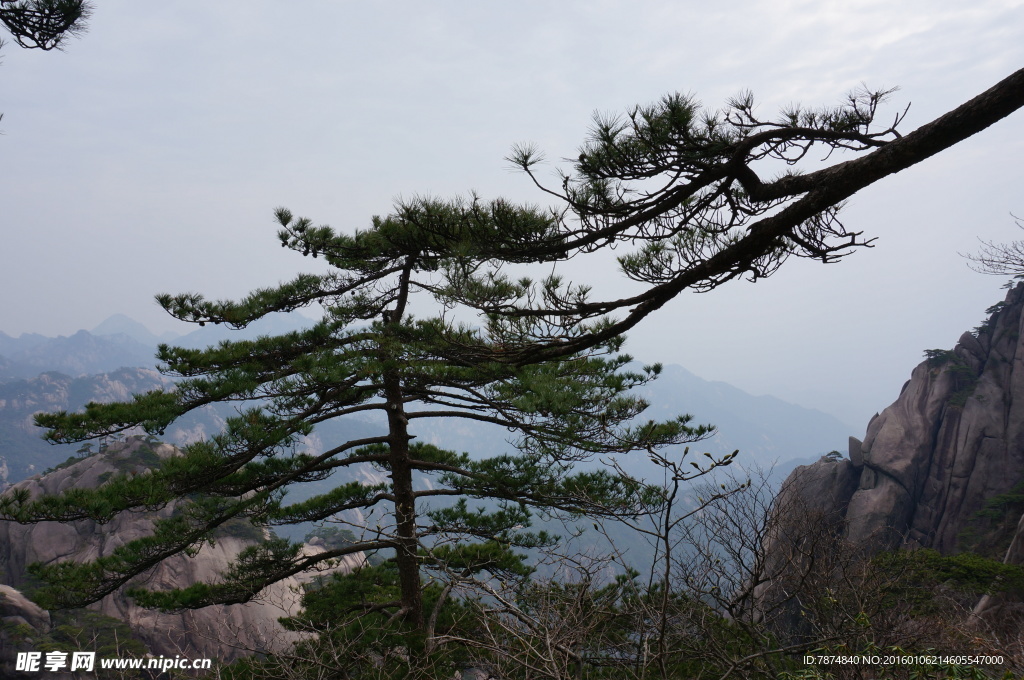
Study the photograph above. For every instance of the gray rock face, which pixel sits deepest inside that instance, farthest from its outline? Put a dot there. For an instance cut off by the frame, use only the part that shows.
(219, 632)
(856, 452)
(824, 488)
(953, 439)
(22, 626)
(17, 608)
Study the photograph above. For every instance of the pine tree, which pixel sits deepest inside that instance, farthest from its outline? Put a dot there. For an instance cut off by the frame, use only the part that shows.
(435, 511)
(692, 198)
(681, 187)
(44, 24)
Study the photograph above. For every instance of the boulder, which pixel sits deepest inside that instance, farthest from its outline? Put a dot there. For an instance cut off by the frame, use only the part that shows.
(16, 608)
(856, 452)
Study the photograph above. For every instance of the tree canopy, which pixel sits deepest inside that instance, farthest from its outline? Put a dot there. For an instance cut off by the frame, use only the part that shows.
(369, 354)
(690, 193)
(44, 24)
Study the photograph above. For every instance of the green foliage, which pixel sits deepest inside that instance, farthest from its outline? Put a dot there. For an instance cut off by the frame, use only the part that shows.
(336, 538)
(989, 531)
(240, 527)
(137, 455)
(939, 357)
(992, 315)
(964, 377)
(17, 633)
(921, 572)
(333, 537)
(369, 353)
(81, 630)
(357, 637)
(675, 183)
(68, 462)
(92, 631)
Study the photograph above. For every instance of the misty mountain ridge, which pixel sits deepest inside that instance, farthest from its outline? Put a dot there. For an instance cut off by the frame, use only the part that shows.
(80, 354)
(765, 430)
(118, 342)
(274, 324)
(116, 359)
(121, 324)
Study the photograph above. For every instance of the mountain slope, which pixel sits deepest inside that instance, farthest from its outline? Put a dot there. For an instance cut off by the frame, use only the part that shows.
(220, 632)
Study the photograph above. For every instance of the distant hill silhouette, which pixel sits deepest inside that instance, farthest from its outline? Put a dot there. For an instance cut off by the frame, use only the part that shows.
(121, 324)
(80, 354)
(39, 373)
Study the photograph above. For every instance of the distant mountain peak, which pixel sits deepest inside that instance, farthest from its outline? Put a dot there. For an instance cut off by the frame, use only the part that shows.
(122, 324)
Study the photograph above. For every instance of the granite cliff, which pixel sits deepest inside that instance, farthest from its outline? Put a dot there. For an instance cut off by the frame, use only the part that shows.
(943, 466)
(219, 632)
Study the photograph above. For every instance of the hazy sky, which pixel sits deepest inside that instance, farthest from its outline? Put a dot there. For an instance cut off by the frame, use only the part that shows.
(149, 156)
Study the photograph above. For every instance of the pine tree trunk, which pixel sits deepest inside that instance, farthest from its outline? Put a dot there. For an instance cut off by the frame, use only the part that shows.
(401, 466)
(405, 503)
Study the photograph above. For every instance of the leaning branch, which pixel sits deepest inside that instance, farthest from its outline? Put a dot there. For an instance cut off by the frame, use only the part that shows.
(824, 189)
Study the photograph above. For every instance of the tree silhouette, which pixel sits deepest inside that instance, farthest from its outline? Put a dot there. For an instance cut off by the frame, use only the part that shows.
(44, 24)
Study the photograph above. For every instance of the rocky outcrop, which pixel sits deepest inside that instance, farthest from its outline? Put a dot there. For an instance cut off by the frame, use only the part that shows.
(17, 609)
(218, 632)
(23, 626)
(951, 442)
(21, 443)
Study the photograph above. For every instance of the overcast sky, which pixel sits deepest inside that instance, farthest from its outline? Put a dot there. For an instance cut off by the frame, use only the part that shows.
(148, 157)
